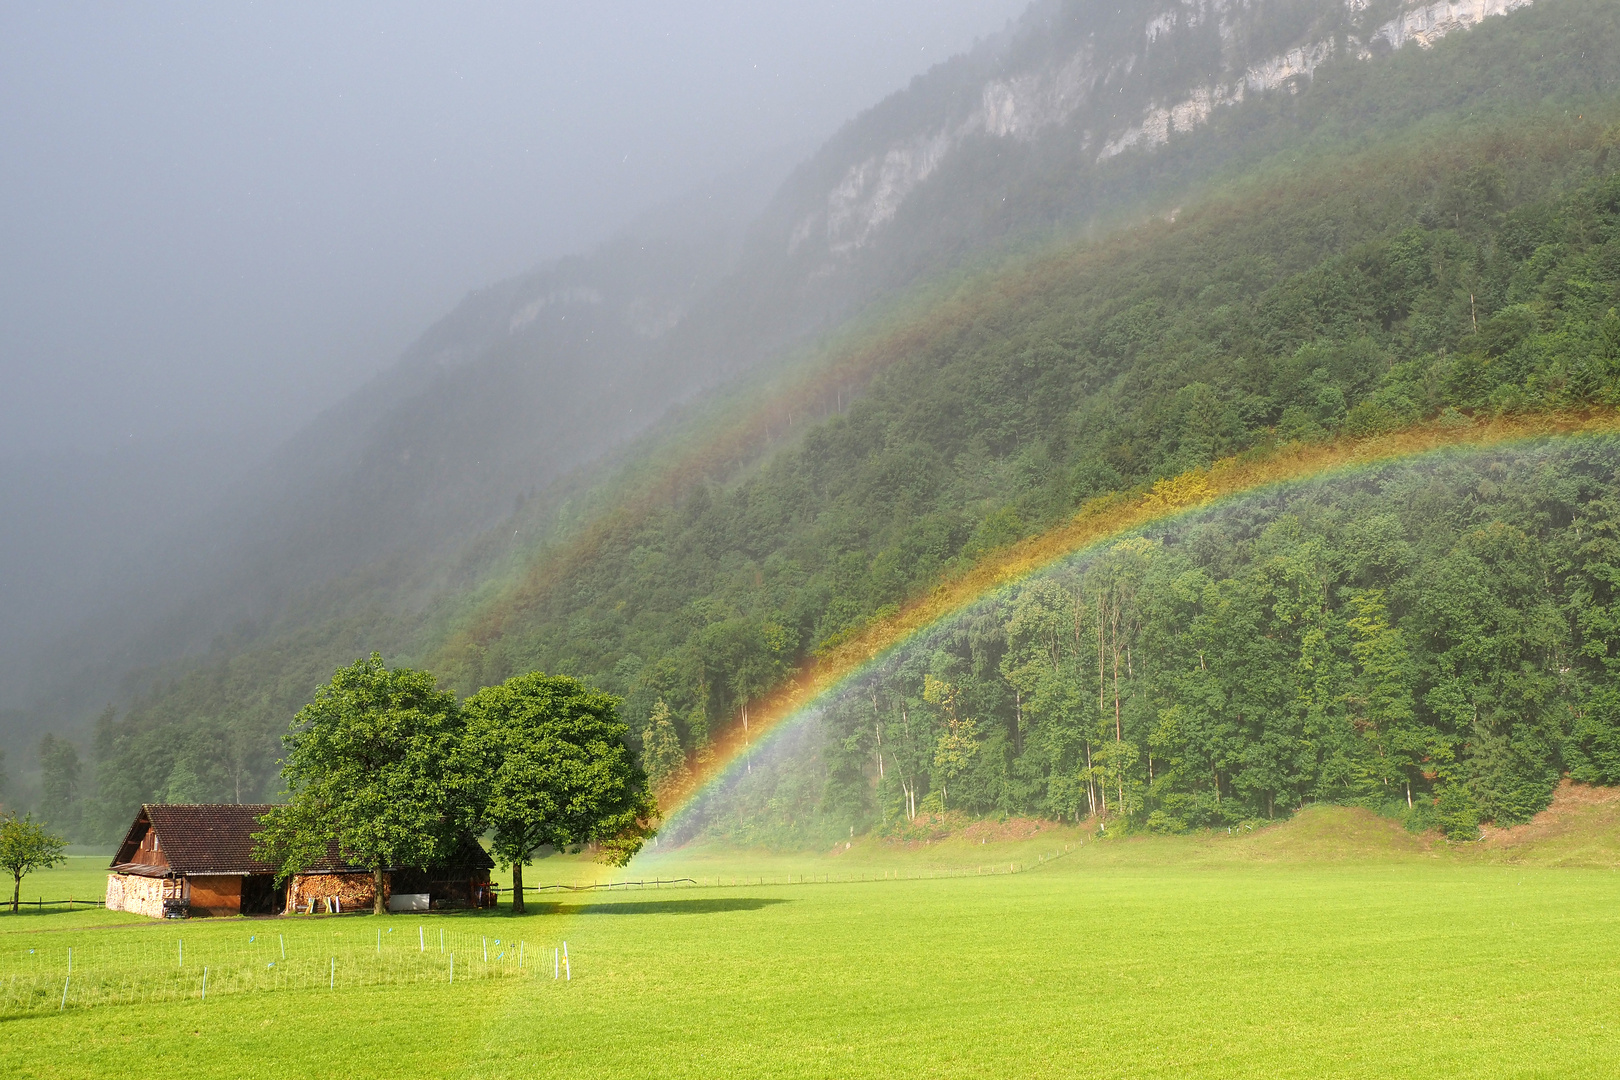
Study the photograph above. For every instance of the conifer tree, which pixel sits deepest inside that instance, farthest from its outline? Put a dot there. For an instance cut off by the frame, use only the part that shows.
(661, 754)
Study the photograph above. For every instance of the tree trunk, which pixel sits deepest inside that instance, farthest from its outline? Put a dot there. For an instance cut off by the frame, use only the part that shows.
(1102, 679)
(1119, 764)
(378, 905)
(1091, 783)
(517, 887)
(877, 728)
(16, 892)
(1018, 720)
(1118, 730)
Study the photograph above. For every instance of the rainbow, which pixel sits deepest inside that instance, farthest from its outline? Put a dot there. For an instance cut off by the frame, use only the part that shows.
(1098, 522)
(758, 416)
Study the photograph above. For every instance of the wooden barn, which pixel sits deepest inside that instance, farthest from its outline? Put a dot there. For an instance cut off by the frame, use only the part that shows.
(193, 859)
(182, 860)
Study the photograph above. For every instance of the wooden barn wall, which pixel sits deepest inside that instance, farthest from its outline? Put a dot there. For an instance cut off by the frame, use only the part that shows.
(216, 894)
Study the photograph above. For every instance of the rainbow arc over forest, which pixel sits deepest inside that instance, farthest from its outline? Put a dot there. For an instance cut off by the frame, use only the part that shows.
(1099, 522)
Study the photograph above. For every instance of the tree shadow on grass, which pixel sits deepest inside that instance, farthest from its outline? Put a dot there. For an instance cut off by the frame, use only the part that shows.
(661, 907)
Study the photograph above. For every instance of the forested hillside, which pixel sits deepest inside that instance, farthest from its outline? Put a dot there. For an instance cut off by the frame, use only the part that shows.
(1386, 236)
(1319, 306)
(1437, 638)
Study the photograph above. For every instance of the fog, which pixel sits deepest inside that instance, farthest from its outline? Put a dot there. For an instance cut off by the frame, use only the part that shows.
(217, 217)
(216, 220)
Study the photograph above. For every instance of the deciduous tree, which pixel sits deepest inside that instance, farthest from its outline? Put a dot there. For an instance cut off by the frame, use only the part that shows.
(369, 769)
(550, 759)
(24, 848)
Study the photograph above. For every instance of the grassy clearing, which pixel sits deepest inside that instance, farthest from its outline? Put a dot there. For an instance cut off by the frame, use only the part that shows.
(1334, 945)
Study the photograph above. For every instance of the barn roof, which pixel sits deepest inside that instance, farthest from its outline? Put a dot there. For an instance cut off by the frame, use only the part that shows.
(200, 838)
(217, 838)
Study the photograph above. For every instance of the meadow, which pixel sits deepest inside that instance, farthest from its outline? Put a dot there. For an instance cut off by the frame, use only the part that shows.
(1333, 945)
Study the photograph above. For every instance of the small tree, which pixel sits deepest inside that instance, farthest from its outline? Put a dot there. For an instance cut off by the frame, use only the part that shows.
(24, 848)
(957, 744)
(553, 768)
(369, 770)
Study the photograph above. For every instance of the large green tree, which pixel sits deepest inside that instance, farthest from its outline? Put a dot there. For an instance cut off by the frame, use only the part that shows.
(553, 768)
(24, 848)
(369, 769)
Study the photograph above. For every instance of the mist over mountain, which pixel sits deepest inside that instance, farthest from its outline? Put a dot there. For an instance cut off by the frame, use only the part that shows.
(77, 525)
(220, 223)
(763, 415)
(519, 383)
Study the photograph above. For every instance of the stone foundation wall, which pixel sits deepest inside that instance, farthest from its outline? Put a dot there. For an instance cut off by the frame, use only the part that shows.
(140, 895)
(353, 891)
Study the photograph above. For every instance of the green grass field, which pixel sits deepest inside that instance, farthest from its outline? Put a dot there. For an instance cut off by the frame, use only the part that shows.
(1334, 945)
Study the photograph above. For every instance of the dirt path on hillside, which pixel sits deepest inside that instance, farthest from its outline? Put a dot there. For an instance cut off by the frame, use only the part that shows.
(1575, 809)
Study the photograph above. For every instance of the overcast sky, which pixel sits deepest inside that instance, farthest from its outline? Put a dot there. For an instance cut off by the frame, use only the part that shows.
(214, 217)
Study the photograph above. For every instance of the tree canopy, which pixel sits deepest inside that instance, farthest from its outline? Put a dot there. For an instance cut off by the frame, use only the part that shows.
(552, 767)
(25, 847)
(367, 775)
(1433, 639)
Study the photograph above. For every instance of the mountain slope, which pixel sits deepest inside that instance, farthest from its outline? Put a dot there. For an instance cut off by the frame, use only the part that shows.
(1004, 395)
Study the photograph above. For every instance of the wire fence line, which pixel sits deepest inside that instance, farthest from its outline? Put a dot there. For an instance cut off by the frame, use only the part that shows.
(173, 965)
(654, 884)
(732, 881)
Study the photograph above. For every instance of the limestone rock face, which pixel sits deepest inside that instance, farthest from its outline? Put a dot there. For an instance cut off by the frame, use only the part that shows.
(1103, 77)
